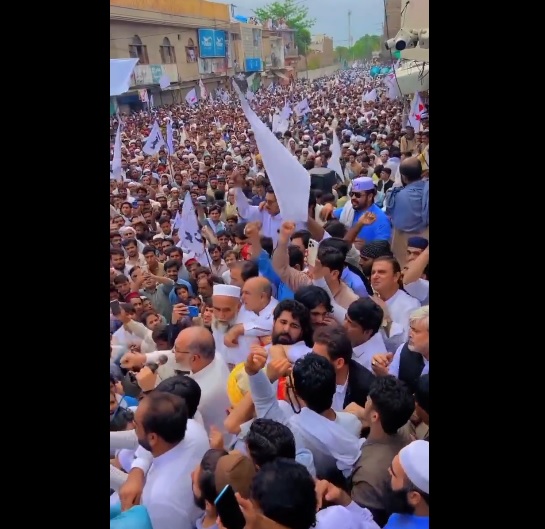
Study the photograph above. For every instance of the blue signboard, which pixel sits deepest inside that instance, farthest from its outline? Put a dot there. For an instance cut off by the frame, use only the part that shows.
(211, 43)
(254, 64)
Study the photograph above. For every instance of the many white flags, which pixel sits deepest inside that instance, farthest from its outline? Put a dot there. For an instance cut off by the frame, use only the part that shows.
(155, 140)
(415, 115)
(203, 90)
(170, 135)
(164, 82)
(302, 107)
(191, 97)
(116, 162)
(290, 180)
(189, 232)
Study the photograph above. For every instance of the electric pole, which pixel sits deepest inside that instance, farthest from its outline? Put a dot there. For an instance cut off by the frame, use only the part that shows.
(349, 36)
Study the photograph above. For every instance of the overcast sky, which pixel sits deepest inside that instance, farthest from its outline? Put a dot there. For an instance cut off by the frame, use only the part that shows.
(332, 16)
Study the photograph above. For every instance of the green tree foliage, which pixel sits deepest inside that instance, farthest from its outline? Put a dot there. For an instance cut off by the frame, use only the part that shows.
(295, 16)
(362, 48)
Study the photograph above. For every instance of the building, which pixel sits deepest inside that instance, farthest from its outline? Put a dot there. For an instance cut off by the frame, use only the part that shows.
(321, 53)
(280, 54)
(247, 43)
(391, 24)
(180, 41)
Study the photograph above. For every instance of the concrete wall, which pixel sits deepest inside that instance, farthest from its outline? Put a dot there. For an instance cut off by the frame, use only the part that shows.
(189, 8)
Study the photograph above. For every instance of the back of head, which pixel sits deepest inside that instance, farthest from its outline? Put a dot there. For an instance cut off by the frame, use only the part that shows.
(367, 314)
(337, 243)
(285, 493)
(314, 381)
(207, 479)
(312, 296)
(411, 169)
(268, 440)
(165, 416)
(184, 387)
(393, 401)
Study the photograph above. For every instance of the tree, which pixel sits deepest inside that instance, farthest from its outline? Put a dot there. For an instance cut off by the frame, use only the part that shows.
(342, 52)
(364, 47)
(295, 16)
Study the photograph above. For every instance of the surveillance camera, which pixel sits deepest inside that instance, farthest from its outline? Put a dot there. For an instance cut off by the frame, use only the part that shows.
(406, 39)
(424, 38)
(390, 44)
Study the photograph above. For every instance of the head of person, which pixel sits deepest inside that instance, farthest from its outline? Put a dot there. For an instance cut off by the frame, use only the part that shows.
(284, 491)
(194, 349)
(121, 282)
(291, 323)
(241, 271)
(160, 336)
(312, 384)
(271, 204)
(363, 320)
(160, 422)
(419, 331)
(330, 263)
(410, 480)
(410, 170)
(226, 303)
(386, 276)
(184, 387)
(371, 251)
(333, 344)
(363, 193)
(415, 246)
(131, 247)
(301, 239)
(150, 319)
(389, 405)
(151, 259)
(205, 286)
(230, 258)
(117, 259)
(256, 294)
(317, 301)
(268, 440)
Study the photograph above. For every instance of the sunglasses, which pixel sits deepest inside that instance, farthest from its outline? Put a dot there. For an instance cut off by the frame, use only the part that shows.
(355, 194)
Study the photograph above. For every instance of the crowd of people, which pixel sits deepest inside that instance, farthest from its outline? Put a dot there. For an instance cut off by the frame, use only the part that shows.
(288, 362)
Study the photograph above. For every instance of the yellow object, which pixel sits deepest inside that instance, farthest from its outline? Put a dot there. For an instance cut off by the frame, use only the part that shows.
(237, 384)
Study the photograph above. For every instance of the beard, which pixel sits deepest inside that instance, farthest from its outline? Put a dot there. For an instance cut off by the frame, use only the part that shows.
(396, 502)
(200, 503)
(281, 339)
(144, 444)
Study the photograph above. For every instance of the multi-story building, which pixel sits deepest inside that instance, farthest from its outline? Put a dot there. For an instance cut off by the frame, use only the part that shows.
(320, 52)
(181, 41)
(247, 44)
(280, 53)
(391, 24)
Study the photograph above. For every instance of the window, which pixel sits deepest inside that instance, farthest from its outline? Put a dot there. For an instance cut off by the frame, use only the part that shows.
(137, 50)
(256, 37)
(168, 55)
(191, 51)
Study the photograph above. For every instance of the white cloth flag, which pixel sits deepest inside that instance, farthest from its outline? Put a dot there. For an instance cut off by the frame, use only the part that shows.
(191, 97)
(170, 135)
(116, 162)
(335, 160)
(415, 115)
(290, 180)
(250, 96)
(202, 89)
(286, 112)
(370, 96)
(155, 140)
(164, 82)
(211, 99)
(189, 232)
(392, 87)
(120, 75)
(302, 107)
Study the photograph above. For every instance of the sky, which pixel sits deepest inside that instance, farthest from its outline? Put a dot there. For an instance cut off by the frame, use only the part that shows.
(331, 16)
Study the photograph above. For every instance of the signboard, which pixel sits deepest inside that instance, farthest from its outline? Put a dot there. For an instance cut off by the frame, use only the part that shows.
(254, 64)
(212, 43)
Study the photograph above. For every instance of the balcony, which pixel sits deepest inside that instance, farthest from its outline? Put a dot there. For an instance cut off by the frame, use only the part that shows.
(150, 74)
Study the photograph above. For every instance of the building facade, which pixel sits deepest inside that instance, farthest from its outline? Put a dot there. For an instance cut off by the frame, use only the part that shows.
(321, 53)
(175, 41)
(417, 16)
(391, 24)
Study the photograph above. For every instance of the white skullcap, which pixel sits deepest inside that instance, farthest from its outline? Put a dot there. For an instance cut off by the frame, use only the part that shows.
(415, 460)
(226, 290)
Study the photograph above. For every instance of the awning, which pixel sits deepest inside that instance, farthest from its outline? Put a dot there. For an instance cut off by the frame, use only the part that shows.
(413, 78)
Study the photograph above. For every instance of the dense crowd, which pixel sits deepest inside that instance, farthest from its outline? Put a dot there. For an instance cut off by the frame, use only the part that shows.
(268, 371)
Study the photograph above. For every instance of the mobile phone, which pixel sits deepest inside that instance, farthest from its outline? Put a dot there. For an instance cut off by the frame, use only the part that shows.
(228, 509)
(312, 252)
(193, 311)
(115, 307)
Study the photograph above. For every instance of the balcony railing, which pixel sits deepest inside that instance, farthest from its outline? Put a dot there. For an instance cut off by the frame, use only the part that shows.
(148, 74)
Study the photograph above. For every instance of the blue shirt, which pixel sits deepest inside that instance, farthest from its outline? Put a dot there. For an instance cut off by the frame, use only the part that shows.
(136, 517)
(407, 521)
(380, 230)
(408, 207)
(354, 282)
(267, 271)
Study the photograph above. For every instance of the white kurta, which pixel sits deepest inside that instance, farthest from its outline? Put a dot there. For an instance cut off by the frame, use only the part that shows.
(363, 354)
(400, 306)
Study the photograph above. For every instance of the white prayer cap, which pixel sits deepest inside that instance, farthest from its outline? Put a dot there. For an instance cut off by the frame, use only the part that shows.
(384, 151)
(415, 460)
(230, 291)
(364, 183)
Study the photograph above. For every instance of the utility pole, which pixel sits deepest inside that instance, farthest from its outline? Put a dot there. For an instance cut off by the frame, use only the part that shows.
(349, 36)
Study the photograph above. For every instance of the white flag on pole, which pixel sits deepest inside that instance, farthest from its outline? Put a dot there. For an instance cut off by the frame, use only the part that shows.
(116, 162)
(191, 97)
(155, 140)
(370, 96)
(335, 160)
(302, 107)
(211, 98)
(170, 135)
(290, 180)
(164, 82)
(189, 232)
(415, 115)
(286, 112)
(202, 88)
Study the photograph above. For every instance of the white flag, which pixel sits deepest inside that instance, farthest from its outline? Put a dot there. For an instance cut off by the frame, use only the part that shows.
(170, 145)
(290, 180)
(151, 104)
(191, 97)
(211, 99)
(335, 160)
(250, 96)
(155, 140)
(164, 82)
(202, 88)
(417, 107)
(116, 162)
(286, 112)
(189, 232)
(302, 107)
(370, 96)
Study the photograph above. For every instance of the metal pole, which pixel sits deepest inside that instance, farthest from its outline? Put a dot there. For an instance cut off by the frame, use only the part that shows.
(349, 35)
